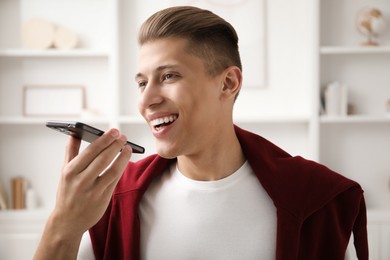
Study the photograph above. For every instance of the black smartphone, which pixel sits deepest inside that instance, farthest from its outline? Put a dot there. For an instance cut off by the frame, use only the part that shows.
(84, 132)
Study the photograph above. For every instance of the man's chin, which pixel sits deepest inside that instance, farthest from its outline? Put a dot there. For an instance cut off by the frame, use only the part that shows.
(167, 157)
(166, 153)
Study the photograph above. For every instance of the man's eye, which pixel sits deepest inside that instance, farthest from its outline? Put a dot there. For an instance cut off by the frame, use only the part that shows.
(142, 84)
(168, 76)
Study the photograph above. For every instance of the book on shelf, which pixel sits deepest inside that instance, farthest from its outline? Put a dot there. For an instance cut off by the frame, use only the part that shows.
(3, 197)
(334, 99)
(20, 196)
(18, 189)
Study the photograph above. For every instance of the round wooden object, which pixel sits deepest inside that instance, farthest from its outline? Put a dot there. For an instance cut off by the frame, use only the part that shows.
(38, 34)
(65, 38)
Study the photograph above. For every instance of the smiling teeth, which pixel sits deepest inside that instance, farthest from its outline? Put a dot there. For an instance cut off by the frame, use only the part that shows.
(167, 119)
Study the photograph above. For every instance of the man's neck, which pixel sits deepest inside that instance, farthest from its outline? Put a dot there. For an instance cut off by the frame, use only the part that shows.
(220, 159)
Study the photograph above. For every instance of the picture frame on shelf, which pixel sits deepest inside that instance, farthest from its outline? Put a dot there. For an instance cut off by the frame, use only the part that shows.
(53, 100)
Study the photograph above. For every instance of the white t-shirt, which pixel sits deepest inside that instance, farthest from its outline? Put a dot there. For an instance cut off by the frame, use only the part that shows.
(231, 218)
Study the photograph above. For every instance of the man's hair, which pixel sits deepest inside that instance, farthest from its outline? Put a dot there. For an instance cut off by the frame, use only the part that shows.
(210, 37)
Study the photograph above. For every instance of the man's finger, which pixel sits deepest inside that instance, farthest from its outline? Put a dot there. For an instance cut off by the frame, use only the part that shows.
(105, 158)
(72, 149)
(92, 151)
(110, 178)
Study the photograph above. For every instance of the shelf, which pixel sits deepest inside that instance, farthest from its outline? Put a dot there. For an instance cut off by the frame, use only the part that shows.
(23, 214)
(355, 50)
(23, 221)
(19, 120)
(53, 53)
(272, 120)
(378, 215)
(355, 119)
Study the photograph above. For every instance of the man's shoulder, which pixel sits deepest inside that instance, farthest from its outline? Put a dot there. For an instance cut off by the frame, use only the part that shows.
(302, 186)
(293, 182)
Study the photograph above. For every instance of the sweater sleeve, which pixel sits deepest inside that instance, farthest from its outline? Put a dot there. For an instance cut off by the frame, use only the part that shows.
(326, 233)
(360, 232)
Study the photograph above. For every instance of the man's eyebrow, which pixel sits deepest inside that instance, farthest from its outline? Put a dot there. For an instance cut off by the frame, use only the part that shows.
(168, 66)
(158, 69)
(138, 75)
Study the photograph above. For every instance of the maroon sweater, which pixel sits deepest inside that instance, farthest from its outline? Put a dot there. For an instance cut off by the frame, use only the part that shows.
(317, 209)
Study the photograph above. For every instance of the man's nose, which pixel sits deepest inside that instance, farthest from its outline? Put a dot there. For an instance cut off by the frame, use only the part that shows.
(151, 96)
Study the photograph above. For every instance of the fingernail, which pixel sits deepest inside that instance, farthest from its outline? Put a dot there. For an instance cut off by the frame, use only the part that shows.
(127, 147)
(114, 132)
(123, 138)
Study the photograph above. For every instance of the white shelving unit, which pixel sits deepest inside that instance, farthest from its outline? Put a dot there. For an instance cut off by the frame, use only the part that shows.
(28, 148)
(365, 71)
(356, 145)
(285, 112)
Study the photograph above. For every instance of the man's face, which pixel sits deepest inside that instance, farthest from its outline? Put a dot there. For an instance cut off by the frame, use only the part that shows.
(178, 99)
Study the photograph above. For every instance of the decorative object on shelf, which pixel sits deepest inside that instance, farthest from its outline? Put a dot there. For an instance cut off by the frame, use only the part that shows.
(31, 198)
(65, 38)
(42, 34)
(38, 34)
(371, 23)
(56, 100)
(335, 98)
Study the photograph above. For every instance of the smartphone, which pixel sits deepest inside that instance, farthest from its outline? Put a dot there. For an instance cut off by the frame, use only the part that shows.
(84, 132)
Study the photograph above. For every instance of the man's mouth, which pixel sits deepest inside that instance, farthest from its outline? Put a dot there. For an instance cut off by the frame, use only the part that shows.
(160, 123)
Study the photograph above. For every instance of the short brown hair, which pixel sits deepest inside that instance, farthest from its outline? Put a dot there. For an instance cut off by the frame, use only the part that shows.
(209, 36)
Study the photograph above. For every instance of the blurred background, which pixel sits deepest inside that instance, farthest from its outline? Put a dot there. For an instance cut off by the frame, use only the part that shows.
(316, 83)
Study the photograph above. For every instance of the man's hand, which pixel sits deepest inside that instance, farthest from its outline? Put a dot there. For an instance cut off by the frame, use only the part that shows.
(87, 182)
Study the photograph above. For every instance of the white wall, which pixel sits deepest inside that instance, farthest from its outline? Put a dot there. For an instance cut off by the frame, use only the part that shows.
(290, 57)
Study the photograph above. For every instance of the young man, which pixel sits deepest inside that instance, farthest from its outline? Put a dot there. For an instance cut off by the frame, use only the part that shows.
(214, 191)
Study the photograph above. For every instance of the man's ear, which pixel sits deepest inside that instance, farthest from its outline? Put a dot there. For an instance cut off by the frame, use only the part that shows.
(232, 82)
